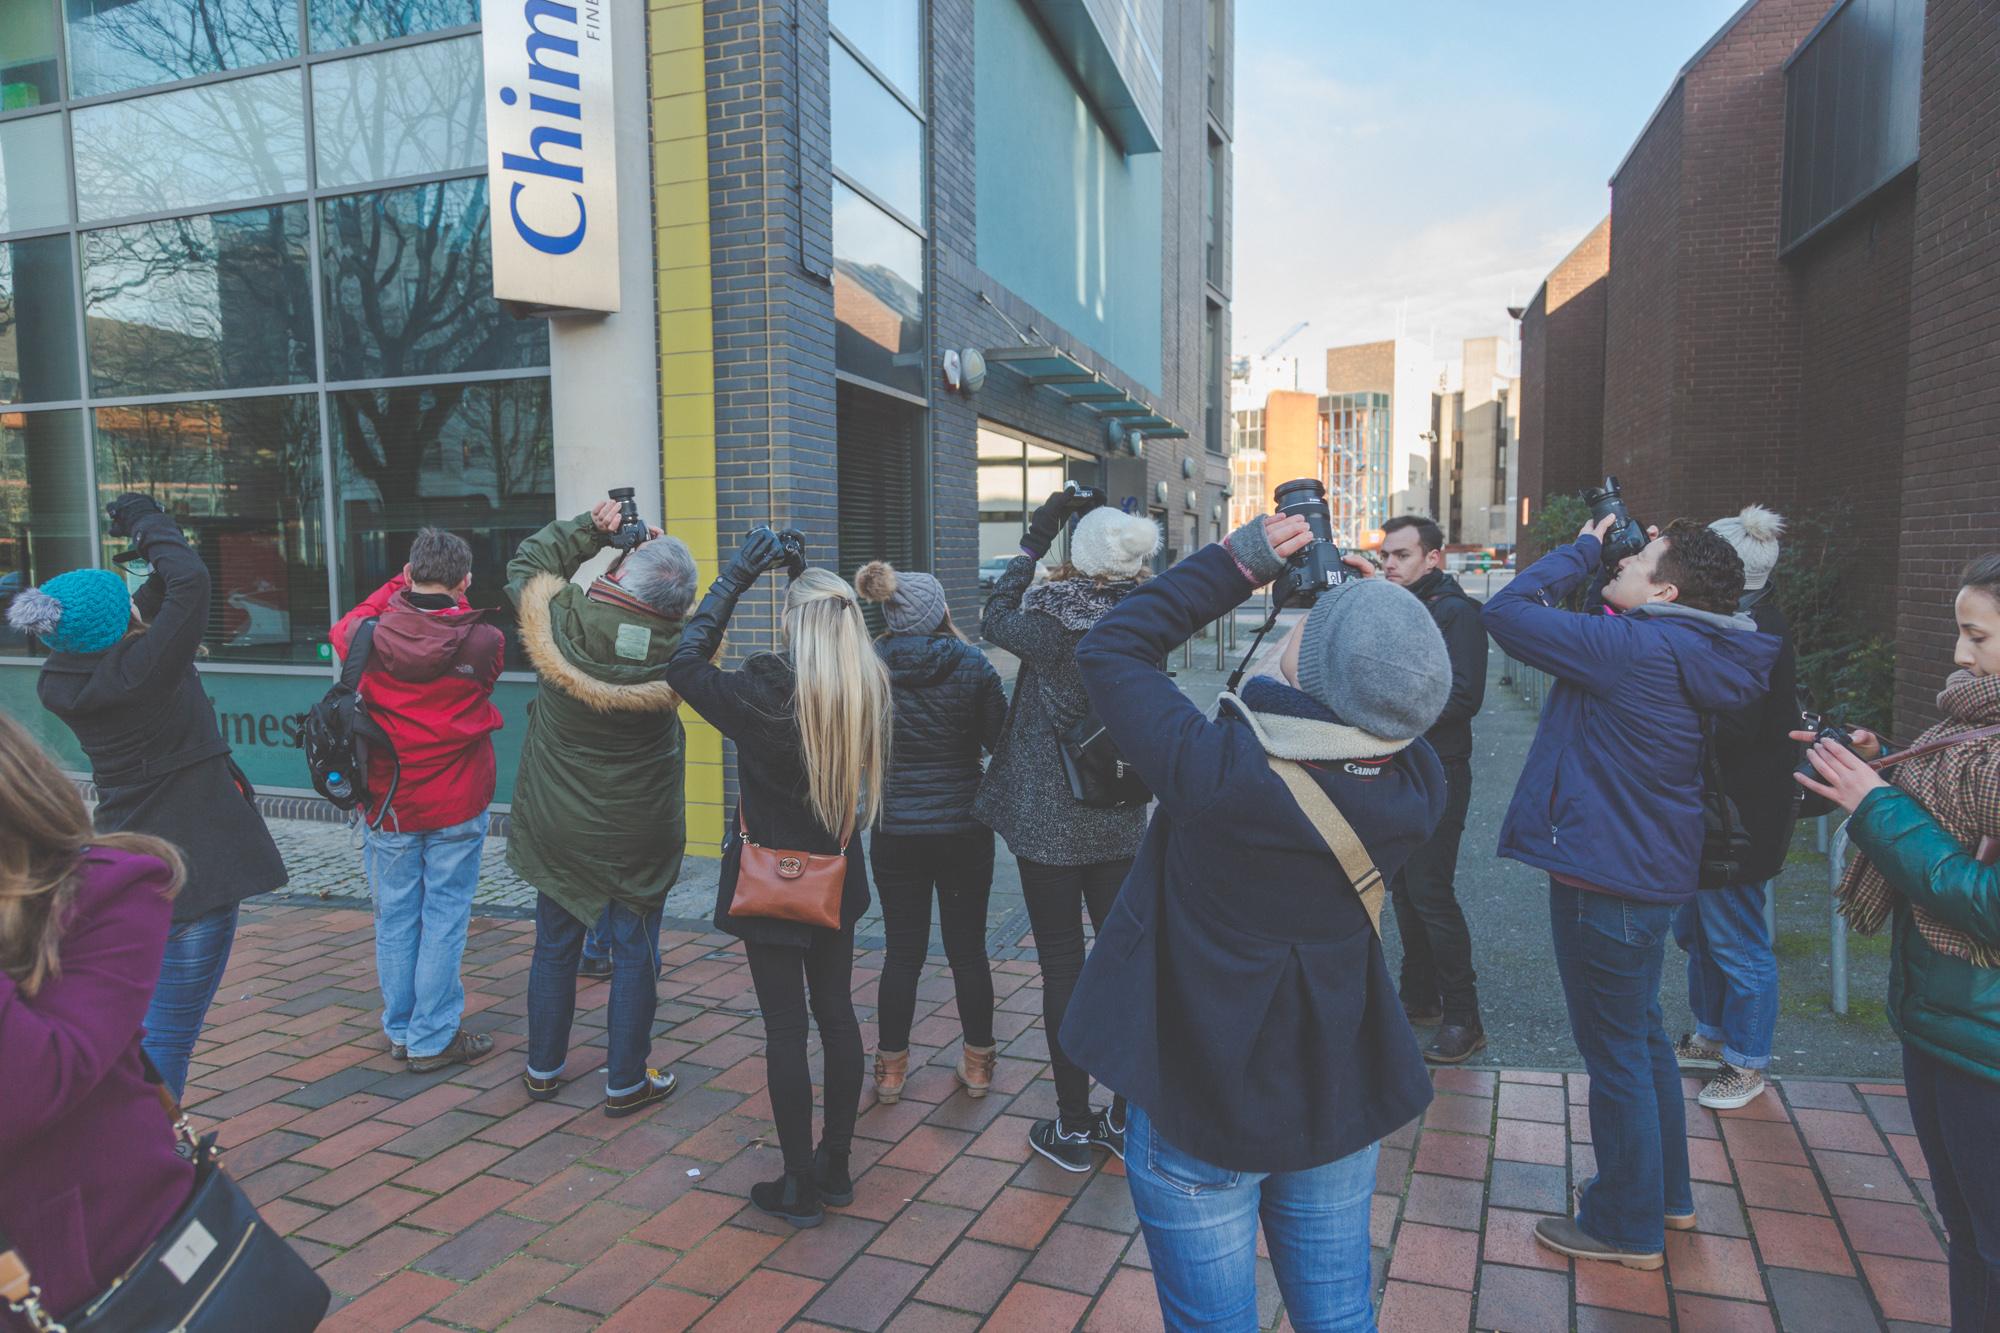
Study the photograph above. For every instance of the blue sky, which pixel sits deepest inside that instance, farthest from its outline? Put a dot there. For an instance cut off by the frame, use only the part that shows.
(1421, 164)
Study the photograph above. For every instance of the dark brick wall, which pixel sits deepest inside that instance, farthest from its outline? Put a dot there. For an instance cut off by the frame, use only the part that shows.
(1562, 379)
(1641, 296)
(1951, 486)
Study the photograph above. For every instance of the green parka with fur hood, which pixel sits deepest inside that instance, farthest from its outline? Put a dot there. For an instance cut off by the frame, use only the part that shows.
(599, 807)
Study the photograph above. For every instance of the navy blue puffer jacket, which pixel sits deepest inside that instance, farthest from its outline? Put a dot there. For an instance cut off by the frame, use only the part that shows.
(950, 706)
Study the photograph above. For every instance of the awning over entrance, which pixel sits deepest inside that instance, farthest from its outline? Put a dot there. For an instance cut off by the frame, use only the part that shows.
(1054, 369)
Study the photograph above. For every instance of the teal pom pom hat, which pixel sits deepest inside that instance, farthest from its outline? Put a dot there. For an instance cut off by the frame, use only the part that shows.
(83, 611)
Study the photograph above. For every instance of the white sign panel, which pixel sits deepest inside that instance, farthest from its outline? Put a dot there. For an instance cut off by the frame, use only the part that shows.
(549, 153)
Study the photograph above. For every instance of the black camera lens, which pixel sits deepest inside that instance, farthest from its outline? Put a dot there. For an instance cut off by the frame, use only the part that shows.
(1317, 566)
(631, 532)
(1306, 497)
(1624, 538)
(621, 492)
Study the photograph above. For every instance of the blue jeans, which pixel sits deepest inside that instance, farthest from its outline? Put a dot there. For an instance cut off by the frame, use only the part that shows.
(1609, 951)
(1732, 973)
(197, 955)
(628, 1013)
(423, 884)
(597, 940)
(1201, 1233)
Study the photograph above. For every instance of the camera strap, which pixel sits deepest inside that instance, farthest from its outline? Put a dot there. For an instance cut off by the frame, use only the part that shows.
(1338, 834)
(1236, 676)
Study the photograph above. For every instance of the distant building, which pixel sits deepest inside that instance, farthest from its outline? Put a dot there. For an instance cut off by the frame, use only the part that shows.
(1406, 371)
(1475, 419)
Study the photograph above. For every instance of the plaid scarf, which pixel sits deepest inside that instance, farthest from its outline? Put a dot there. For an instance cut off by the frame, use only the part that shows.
(1960, 788)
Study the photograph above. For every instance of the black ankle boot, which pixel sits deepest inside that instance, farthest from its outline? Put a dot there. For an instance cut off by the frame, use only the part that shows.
(792, 1196)
(830, 1175)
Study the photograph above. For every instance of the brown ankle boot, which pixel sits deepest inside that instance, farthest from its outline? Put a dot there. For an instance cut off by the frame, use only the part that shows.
(891, 1069)
(975, 1068)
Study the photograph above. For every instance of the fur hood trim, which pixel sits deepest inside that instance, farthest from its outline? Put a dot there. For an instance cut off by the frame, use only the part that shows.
(1305, 738)
(553, 664)
(1075, 603)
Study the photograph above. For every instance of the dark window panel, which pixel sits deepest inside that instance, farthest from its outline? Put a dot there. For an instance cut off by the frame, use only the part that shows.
(409, 287)
(37, 322)
(221, 301)
(880, 501)
(28, 54)
(1852, 97)
(44, 530)
(119, 44)
(878, 295)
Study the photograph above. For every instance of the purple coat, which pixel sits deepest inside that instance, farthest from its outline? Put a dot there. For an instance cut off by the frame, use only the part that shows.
(88, 1174)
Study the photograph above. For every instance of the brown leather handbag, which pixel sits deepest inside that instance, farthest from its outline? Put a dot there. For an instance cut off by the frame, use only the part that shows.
(788, 886)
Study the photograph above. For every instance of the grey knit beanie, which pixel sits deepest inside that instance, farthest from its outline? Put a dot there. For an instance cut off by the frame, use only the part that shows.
(1372, 653)
(912, 602)
(1754, 533)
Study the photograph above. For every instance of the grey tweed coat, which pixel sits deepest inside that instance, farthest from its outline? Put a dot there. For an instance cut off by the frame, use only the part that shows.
(1025, 797)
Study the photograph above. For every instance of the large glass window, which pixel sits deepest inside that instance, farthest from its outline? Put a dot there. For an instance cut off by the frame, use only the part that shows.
(27, 54)
(338, 23)
(890, 34)
(44, 529)
(876, 141)
(119, 44)
(33, 190)
(37, 322)
(878, 294)
(477, 459)
(411, 111)
(409, 287)
(242, 477)
(221, 301)
(193, 148)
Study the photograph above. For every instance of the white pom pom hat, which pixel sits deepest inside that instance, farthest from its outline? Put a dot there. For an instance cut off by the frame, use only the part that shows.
(1754, 534)
(1112, 544)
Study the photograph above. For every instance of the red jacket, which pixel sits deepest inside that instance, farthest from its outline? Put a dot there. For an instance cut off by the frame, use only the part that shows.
(429, 682)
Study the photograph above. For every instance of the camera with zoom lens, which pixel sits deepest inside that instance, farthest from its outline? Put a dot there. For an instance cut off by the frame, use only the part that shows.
(1083, 499)
(1624, 538)
(1317, 566)
(1823, 731)
(631, 532)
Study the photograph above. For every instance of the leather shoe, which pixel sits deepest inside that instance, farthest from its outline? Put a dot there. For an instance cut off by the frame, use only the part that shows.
(1423, 1017)
(1454, 1045)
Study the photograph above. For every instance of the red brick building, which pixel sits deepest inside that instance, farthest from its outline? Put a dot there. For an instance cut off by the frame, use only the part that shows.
(1796, 301)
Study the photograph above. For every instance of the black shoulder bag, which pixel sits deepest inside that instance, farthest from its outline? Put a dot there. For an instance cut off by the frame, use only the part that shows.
(1099, 775)
(1725, 843)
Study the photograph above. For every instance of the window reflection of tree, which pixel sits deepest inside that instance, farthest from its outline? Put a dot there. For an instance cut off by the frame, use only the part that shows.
(241, 139)
(338, 23)
(404, 112)
(214, 302)
(119, 44)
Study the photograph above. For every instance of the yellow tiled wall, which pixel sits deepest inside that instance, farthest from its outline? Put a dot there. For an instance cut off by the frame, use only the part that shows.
(687, 358)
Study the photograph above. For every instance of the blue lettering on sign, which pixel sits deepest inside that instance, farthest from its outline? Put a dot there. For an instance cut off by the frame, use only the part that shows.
(541, 138)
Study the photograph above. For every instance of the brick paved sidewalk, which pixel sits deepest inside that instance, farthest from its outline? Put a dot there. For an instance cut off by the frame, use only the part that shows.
(449, 1201)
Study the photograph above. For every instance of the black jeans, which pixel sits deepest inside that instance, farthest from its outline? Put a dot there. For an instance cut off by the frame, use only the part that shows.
(1437, 947)
(784, 976)
(1056, 898)
(1957, 1118)
(907, 867)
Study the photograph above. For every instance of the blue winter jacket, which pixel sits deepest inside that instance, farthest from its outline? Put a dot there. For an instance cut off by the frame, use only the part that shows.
(1611, 794)
(1237, 993)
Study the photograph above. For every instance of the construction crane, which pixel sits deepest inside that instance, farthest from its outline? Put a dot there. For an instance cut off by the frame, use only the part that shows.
(1290, 334)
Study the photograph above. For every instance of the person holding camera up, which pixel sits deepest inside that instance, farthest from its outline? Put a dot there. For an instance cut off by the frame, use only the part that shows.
(432, 665)
(950, 704)
(1732, 972)
(1925, 867)
(811, 726)
(1609, 805)
(120, 674)
(1438, 982)
(600, 817)
(1238, 994)
(1072, 856)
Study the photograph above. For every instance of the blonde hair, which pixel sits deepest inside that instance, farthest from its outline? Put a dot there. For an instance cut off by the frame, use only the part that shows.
(842, 701)
(44, 832)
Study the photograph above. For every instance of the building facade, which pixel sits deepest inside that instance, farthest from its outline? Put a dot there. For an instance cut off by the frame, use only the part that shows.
(887, 271)
(1796, 314)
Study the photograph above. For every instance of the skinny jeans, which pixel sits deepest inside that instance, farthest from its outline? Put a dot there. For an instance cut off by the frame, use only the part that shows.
(788, 981)
(908, 868)
(1057, 897)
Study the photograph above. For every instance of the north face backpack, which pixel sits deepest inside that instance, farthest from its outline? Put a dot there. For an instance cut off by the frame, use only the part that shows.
(338, 733)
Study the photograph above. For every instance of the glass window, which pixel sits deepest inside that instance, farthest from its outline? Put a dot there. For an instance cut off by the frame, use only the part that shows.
(407, 112)
(878, 294)
(241, 139)
(33, 189)
(338, 23)
(120, 44)
(37, 322)
(242, 478)
(409, 287)
(876, 140)
(477, 459)
(44, 530)
(221, 301)
(27, 54)
(890, 33)
(1003, 510)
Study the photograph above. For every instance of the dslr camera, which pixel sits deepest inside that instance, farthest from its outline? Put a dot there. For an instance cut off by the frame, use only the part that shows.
(631, 532)
(1317, 566)
(1624, 538)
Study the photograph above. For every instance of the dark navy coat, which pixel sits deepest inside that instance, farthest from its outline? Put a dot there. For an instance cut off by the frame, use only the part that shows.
(1238, 993)
(1611, 794)
(950, 705)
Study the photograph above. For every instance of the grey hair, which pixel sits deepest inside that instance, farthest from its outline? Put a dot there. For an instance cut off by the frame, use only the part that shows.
(661, 574)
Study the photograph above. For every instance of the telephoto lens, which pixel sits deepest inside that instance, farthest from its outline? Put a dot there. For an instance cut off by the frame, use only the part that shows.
(1313, 569)
(1624, 538)
(631, 533)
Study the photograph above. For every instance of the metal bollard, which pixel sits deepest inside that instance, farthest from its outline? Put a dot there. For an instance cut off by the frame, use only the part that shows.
(1771, 910)
(1216, 629)
(1837, 935)
(1821, 821)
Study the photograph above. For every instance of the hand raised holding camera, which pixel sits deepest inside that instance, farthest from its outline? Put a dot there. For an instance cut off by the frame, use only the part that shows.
(761, 550)
(129, 507)
(606, 518)
(1046, 522)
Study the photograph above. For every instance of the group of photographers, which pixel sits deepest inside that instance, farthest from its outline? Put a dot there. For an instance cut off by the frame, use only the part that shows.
(1254, 1042)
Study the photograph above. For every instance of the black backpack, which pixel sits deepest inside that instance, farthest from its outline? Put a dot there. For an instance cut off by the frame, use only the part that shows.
(1099, 775)
(338, 733)
(1725, 843)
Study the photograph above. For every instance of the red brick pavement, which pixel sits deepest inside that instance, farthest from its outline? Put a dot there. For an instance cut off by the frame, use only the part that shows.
(450, 1201)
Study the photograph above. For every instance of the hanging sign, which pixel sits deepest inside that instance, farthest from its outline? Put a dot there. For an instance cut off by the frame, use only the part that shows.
(550, 155)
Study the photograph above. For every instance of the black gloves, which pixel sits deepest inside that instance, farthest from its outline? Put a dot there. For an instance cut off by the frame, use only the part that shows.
(127, 508)
(1055, 511)
(763, 549)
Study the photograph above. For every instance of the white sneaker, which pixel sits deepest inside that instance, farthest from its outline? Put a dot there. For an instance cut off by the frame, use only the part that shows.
(1732, 1088)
